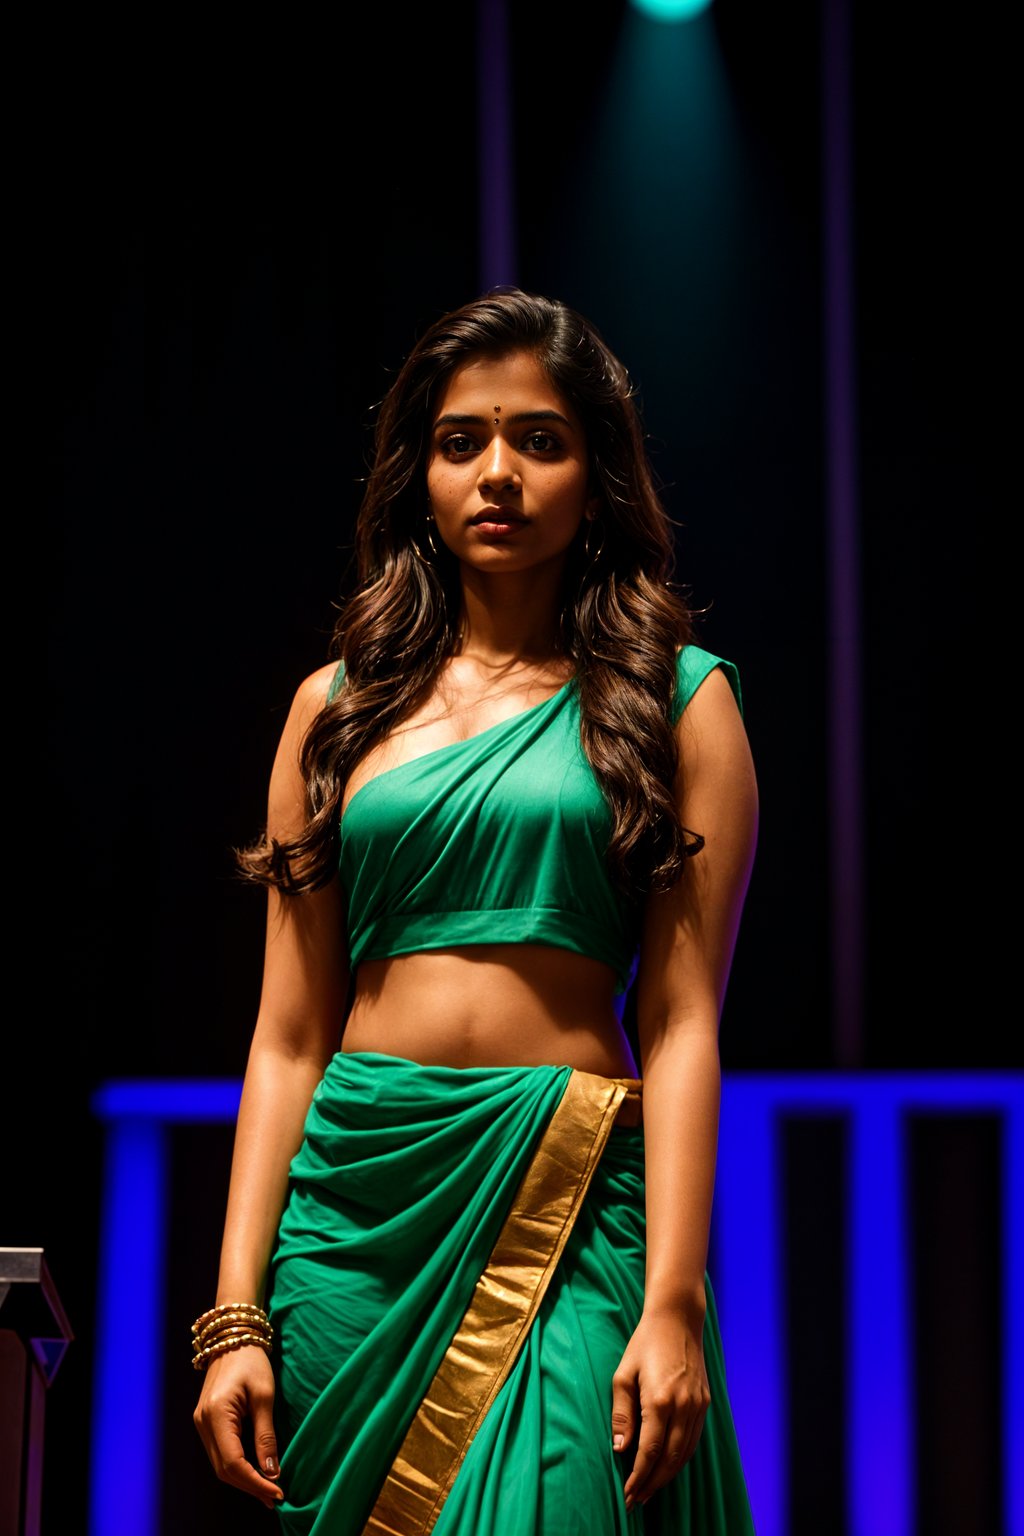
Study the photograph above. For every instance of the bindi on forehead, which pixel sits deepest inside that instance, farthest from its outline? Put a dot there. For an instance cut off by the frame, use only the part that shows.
(498, 411)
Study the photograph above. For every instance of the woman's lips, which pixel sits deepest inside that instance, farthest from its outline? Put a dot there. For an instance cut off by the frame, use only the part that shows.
(499, 521)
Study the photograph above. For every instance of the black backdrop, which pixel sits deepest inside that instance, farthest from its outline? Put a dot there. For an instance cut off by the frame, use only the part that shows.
(237, 238)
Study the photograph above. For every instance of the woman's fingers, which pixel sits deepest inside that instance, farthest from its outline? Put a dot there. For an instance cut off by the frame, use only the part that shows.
(624, 1414)
(264, 1437)
(242, 1474)
(660, 1397)
(654, 1424)
(225, 1404)
(674, 1443)
(696, 1430)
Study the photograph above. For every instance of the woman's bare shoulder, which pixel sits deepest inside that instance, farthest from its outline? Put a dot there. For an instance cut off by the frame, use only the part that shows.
(312, 693)
(314, 688)
(308, 700)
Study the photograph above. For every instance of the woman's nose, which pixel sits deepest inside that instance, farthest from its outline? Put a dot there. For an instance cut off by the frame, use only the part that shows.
(497, 465)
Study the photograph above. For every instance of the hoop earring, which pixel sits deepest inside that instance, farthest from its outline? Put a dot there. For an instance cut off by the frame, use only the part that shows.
(431, 543)
(593, 556)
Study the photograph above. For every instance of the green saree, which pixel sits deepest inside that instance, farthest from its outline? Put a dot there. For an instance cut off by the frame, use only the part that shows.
(459, 1267)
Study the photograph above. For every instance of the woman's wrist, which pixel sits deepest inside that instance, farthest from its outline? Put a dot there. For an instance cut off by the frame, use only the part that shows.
(687, 1301)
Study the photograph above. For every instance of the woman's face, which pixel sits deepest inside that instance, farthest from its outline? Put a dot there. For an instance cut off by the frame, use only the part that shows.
(508, 471)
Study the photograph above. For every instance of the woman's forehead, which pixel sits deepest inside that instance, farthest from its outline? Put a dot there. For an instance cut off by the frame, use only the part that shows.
(514, 381)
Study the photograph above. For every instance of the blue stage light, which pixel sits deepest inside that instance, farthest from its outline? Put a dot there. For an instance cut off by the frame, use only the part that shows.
(670, 10)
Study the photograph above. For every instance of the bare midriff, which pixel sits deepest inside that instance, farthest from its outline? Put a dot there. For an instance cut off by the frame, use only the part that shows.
(491, 1005)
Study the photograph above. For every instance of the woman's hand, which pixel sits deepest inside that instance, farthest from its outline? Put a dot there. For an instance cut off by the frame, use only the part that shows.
(239, 1386)
(661, 1390)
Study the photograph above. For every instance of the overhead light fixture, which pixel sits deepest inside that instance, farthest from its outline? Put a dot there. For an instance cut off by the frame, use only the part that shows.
(670, 10)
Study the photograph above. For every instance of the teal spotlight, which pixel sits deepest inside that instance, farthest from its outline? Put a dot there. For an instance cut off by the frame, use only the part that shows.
(670, 10)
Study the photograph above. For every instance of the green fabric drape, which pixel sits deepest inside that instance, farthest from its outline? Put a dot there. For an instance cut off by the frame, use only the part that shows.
(396, 1198)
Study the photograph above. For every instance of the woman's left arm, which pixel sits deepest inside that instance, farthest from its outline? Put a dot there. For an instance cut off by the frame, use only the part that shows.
(660, 1390)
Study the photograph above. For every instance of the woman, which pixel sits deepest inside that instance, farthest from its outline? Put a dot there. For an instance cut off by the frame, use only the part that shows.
(468, 1242)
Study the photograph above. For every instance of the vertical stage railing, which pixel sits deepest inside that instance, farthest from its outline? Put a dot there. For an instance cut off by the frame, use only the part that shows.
(879, 1411)
(747, 1280)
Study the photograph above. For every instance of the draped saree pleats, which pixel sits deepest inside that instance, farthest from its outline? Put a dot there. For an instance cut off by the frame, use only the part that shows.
(459, 1267)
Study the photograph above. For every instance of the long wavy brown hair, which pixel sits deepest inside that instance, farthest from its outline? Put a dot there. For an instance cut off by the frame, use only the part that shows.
(622, 615)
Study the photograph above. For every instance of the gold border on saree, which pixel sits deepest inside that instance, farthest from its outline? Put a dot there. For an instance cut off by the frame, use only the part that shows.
(504, 1303)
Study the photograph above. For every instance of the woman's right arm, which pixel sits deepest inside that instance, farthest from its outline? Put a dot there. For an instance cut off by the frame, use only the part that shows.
(298, 1029)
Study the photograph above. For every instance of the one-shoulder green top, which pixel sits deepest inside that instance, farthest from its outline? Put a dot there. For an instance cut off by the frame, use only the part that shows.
(499, 839)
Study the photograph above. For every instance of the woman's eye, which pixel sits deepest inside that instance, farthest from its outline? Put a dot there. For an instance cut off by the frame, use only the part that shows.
(457, 444)
(542, 442)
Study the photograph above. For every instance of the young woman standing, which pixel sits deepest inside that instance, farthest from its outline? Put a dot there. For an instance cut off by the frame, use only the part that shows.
(463, 1279)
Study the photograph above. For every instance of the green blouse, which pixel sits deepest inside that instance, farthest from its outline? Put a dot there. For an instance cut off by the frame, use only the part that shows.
(499, 839)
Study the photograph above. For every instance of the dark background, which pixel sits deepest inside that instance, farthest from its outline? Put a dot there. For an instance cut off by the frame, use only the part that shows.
(235, 241)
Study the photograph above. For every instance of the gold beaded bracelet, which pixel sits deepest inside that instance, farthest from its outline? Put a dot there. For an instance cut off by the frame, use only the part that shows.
(229, 1326)
(248, 1307)
(222, 1346)
(230, 1320)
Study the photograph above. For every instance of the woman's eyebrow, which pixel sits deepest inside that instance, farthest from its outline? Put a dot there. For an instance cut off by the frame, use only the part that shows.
(452, 420)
